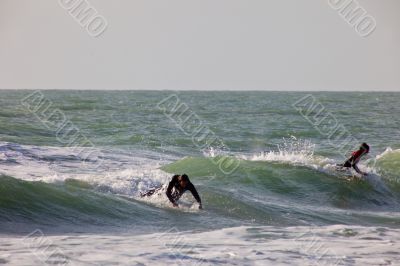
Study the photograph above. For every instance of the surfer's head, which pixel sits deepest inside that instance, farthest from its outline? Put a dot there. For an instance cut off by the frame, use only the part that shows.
(183, 180)
(365, 147)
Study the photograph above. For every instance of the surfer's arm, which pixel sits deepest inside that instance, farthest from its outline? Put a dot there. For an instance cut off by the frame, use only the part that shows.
(358, 170)
(169, 190)
(354, 162)
(193, 190)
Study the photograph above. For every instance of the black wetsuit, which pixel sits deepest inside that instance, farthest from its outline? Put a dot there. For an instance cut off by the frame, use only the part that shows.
(173, 196)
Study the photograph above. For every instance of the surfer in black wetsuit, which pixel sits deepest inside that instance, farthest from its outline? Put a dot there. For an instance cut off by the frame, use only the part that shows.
(176, 187)
(180, 184)
(355, 158)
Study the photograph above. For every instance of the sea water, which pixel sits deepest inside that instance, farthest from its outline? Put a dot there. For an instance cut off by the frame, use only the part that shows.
(74, 163)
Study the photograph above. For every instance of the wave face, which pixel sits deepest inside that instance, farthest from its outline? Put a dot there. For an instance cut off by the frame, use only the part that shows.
(285, 174)
(265, 189)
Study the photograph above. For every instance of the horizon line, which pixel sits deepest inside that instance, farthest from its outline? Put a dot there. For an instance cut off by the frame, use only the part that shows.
(200, 90)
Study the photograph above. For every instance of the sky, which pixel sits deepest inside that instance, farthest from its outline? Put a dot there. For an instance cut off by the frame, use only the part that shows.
(198, 45)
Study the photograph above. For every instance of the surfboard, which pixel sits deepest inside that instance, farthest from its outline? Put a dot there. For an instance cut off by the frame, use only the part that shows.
(183, 203)
(348, 173)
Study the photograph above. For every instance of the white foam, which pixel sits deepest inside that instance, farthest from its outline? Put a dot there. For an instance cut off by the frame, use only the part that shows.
(302, 158)
(266, 245)
(299, 152)
(388, 150)
(121, 172)
(294, 151)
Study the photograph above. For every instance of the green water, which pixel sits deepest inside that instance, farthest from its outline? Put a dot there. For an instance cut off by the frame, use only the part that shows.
(279, 172)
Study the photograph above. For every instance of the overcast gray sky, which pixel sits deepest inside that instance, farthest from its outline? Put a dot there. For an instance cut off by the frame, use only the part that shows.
(199, 44)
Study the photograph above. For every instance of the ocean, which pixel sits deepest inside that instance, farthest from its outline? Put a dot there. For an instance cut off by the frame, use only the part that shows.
(73, 165)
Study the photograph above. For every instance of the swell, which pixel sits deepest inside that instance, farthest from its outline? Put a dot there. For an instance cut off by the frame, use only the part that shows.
(308, 183)
(72, 202)
(285, 192)
(260, 192)
(388, 164)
